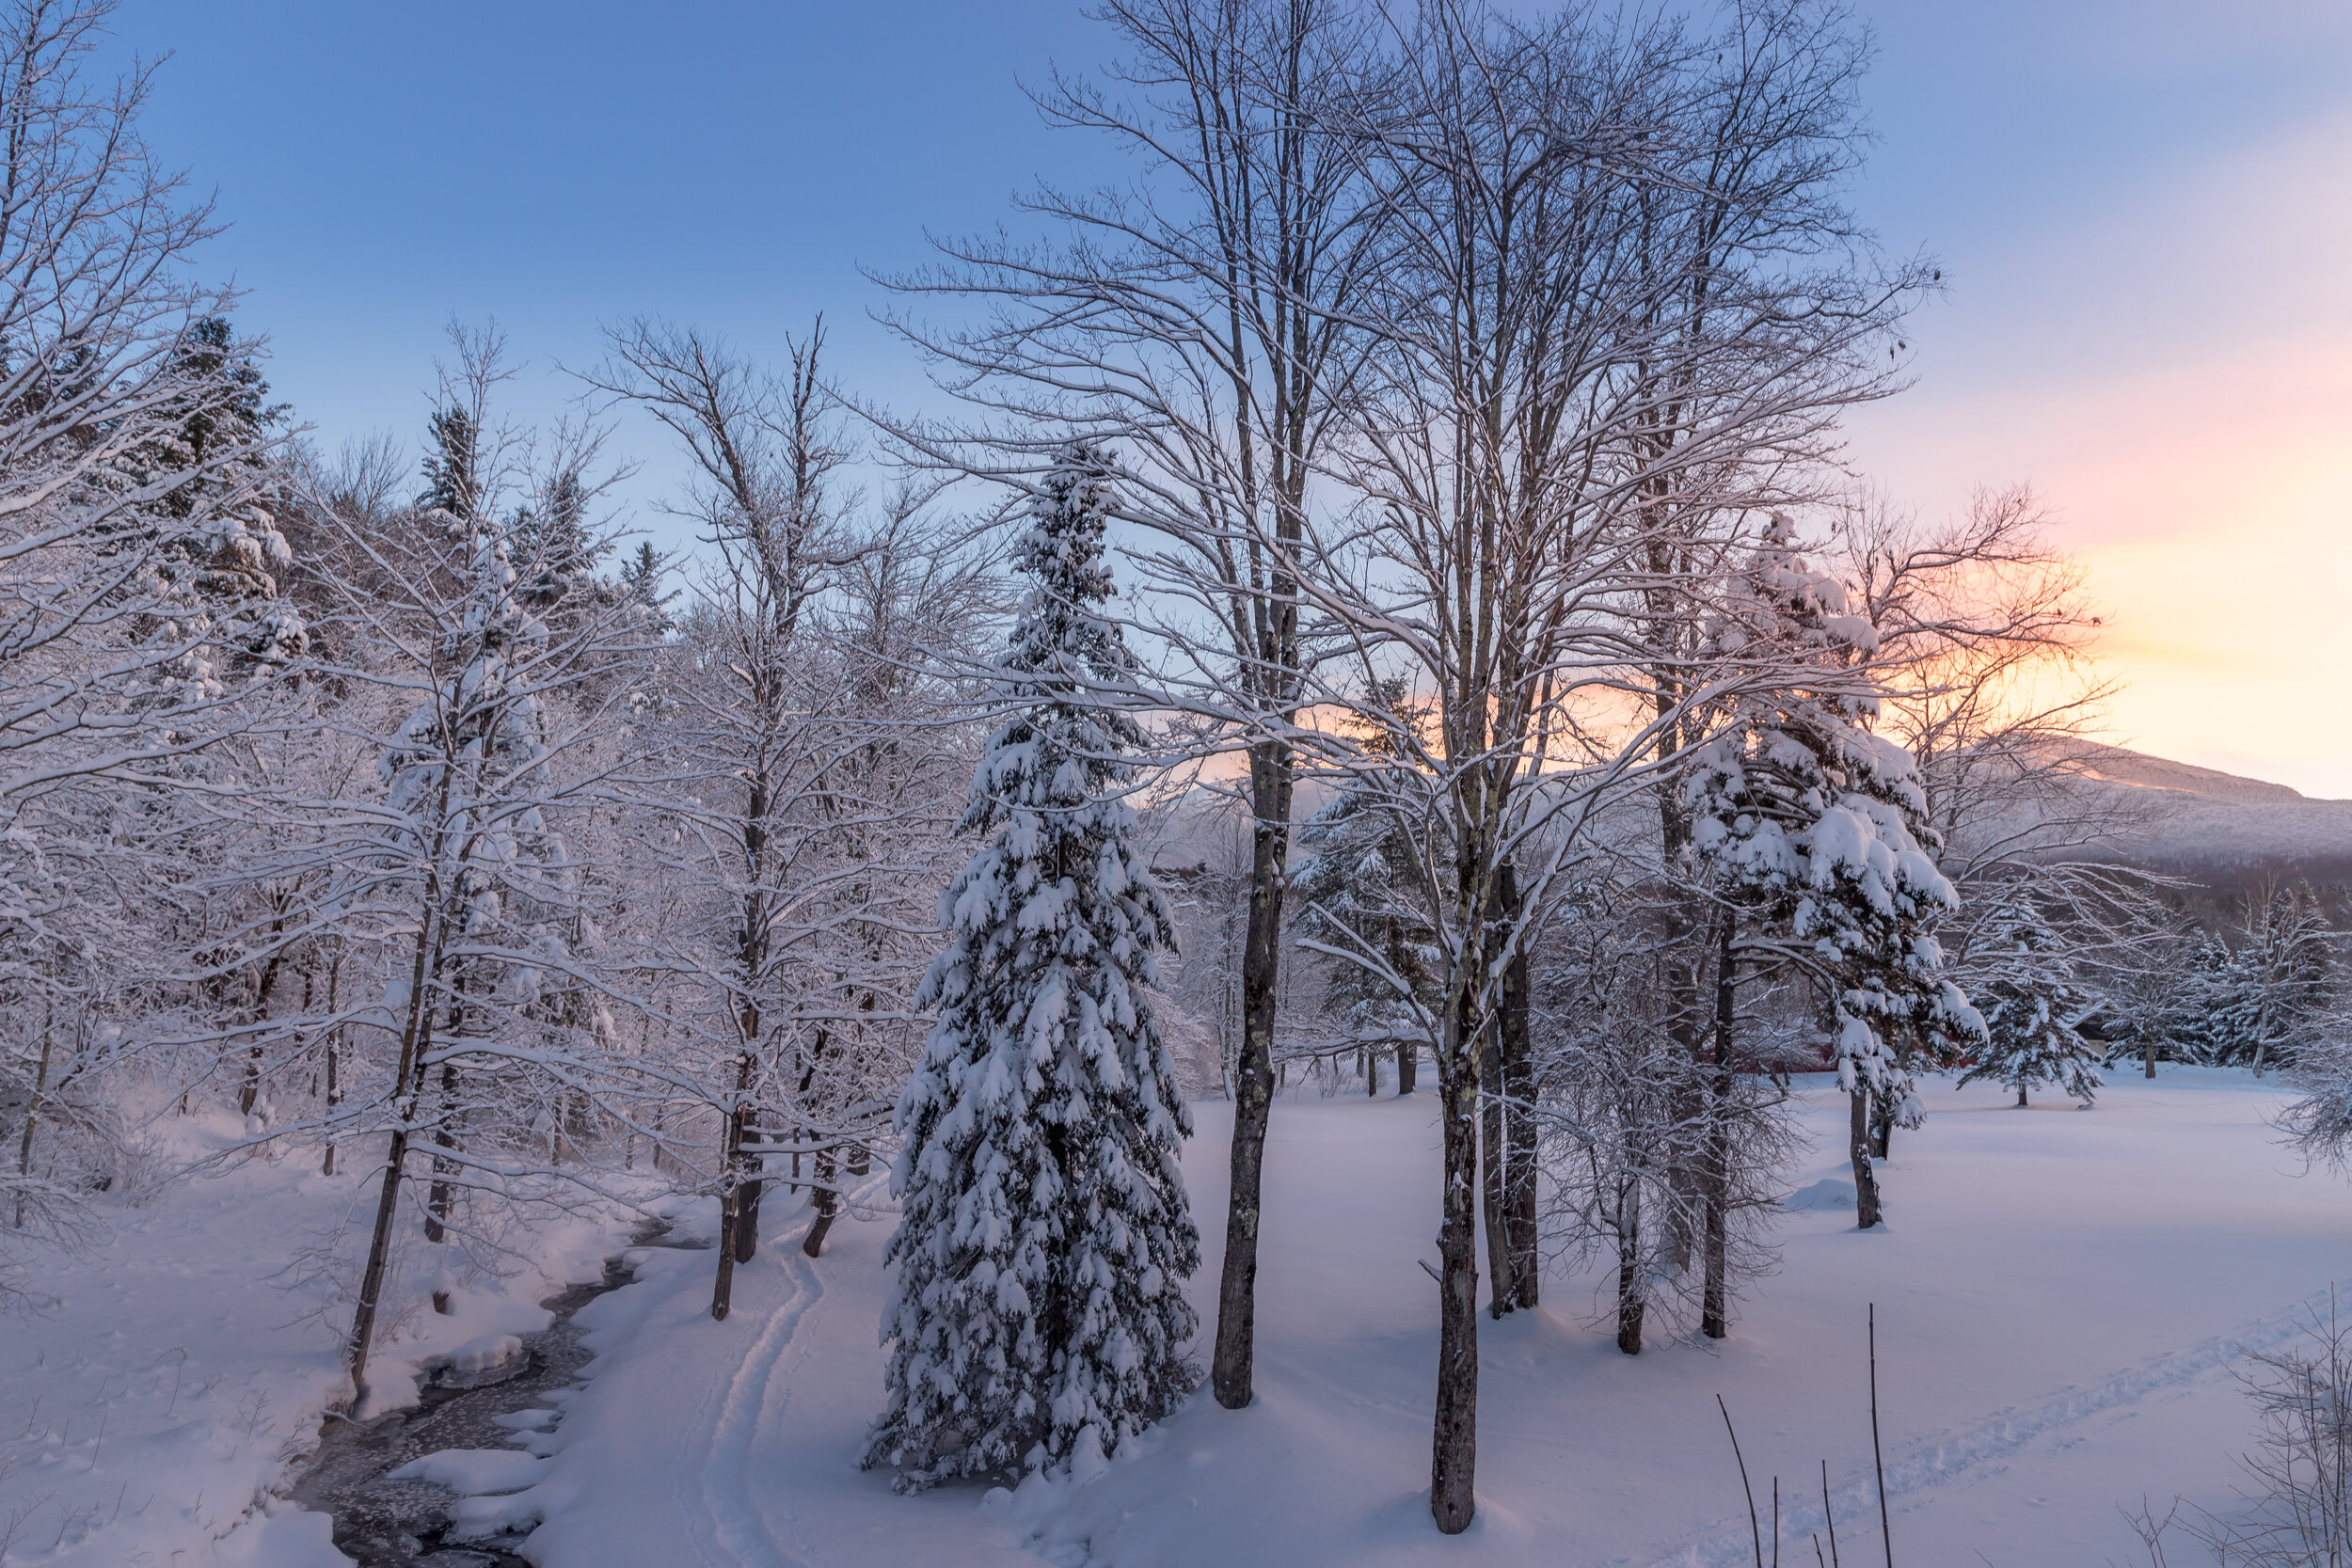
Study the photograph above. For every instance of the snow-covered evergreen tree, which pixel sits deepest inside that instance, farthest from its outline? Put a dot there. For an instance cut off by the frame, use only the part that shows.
(2024, 987)
(1039, 1317)
(1816, 828)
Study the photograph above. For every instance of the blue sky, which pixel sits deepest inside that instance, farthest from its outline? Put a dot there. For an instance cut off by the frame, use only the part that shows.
(2142, 209)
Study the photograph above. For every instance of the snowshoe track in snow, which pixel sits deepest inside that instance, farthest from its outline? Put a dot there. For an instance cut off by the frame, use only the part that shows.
(1931, 1463)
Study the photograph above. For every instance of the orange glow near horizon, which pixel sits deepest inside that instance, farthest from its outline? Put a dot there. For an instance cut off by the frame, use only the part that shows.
(2172, 375)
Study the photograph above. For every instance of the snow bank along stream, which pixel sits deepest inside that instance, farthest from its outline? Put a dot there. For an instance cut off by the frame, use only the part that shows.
(483, 1427)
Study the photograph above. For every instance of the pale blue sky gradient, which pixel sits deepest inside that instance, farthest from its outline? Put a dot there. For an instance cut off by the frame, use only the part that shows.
(2137, 204)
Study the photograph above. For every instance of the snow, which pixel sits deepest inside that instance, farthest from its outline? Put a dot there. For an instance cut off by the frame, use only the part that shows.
(156, 1408)
(2061, 1295)
(474, 1472)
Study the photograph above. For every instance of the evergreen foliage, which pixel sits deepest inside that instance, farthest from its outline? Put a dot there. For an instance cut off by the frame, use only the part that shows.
(1819, 828)
(2263, 999)
(1038, 1317)
(2025, 987)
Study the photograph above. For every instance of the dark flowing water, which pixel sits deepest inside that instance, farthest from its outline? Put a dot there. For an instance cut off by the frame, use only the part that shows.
(390, 1523)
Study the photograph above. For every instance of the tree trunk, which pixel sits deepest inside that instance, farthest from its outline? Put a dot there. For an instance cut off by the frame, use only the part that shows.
(1715, 1289)
(2148, 1052)
(379, 1254)
(826, 1201)
(1507, 1151)
(1494, 1154)
(1454, 1457)
(415, 1040)
(747, 1206)
(1520, 1190)
(436, 1208)
(2021, 1097)
(730, 1190)
(1253, 1077)
(1514, 1035)
(32, 1113)
(1631, 1305)
(334, 1043)
(1866, 1182)
(1408, 1059)
(334, 1098)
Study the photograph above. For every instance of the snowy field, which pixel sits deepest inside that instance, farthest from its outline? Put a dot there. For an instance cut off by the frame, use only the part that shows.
(2061, 1295)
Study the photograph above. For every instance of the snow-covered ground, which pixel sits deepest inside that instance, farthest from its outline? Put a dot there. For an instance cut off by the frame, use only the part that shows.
(152, 1408)
(2061, 1295)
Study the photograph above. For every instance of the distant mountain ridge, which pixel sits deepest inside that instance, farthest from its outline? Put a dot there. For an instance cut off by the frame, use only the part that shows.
(2117, 766)
(2216, 828)
(2219, 828)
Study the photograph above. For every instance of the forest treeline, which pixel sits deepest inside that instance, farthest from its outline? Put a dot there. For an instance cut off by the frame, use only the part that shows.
(1385, 604)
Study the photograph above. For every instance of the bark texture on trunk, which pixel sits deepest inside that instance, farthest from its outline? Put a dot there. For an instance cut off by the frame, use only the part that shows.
(1454, 1457)
(1631, 1304)
(826, 1199)
(1507, 1150)
(1494, 1152)
(731, 1190)
(439, 1200)
(1715, 1289)
(747, 1206)
(1866, 1182)
(379, 1254)
(1230, 1369)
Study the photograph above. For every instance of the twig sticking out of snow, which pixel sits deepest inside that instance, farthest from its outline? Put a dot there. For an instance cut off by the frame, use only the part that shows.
(1755, 1528)
(1877, 1457)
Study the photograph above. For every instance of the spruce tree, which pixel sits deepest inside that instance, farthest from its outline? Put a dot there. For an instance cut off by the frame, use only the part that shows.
(1815, 832)
(1038, 1316)
(2025, 990)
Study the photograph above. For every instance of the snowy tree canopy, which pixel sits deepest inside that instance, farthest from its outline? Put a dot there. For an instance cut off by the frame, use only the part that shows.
(1805, 814)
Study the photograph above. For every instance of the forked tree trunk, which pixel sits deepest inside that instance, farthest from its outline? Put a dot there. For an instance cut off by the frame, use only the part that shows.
(1231, 1372)
(1866, 1182)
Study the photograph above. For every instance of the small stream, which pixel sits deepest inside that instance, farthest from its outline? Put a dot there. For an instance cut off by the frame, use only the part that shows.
(389, 1524)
